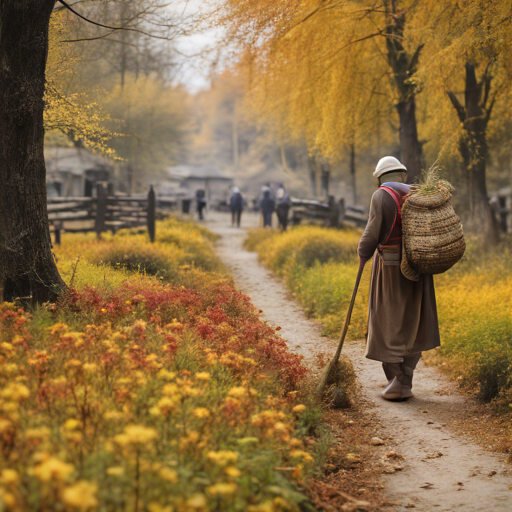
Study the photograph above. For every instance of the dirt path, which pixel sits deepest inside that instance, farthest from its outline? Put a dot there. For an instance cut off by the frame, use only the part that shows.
(440, 470)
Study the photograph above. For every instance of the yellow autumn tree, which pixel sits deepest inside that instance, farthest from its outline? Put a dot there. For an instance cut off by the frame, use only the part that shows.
(68, 112)
(467, 77)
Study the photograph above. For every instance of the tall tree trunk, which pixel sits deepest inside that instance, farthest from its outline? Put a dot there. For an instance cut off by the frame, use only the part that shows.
(353, 171)
(312, 166)
(410, 146)
(474, 116)
(27, 268)
(404, 66)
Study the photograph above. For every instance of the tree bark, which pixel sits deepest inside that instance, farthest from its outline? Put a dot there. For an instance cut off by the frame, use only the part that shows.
(312, 167)
(404, 66)
(353, 171)
(474, 116)
(27, 268)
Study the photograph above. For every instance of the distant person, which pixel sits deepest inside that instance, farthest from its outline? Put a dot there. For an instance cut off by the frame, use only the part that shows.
(267, 206)
(283, 207)
(236, 203)
(200, 203)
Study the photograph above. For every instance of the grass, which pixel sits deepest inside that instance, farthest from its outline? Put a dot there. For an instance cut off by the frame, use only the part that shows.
(151, 385)
(474, 301)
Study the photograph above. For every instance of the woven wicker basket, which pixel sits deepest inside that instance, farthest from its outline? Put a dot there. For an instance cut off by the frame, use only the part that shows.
(433, 240)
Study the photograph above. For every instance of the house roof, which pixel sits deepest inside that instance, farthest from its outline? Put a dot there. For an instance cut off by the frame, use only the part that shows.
(73, 159)
(201, 172)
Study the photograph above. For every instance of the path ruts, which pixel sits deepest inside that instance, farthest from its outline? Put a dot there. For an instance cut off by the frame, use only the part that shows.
(440, 470)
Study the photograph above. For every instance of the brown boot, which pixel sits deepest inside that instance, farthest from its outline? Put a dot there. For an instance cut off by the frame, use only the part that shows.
(408, 367)
(407, 382)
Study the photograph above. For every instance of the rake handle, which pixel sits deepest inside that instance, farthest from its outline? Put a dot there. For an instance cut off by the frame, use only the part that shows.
(349, 312)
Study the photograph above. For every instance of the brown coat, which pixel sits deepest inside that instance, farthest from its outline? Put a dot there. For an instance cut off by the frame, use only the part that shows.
(402, 314)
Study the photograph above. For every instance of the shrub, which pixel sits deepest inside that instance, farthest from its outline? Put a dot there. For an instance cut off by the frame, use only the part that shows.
(303, 246)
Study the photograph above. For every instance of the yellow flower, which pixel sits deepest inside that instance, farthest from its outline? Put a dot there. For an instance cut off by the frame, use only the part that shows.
(7, 499)
(223, 457)
(113, 415)
(156, 507)
(90, 367)
(167, 403)
(238, 391)
(232, 472)
(53, 469)
(222, 489)
(71, 424)
(58, 328)
(41, 433)
(299, 408)
(197, 501)
(170, 389)
(201, 412)
(9, 476)
(300, 454)
(169, 474)
(248, 440)
(166, 375)
(266, 506)
(280, 426)
(115, 471)
(136, 435)
(81, 495)
(202, 375)
(73, 363)
(15, 392)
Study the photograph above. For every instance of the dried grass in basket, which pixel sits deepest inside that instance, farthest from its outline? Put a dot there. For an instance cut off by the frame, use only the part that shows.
(433, 239)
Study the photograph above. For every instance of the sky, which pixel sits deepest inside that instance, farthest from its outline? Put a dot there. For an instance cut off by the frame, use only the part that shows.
(196, 53)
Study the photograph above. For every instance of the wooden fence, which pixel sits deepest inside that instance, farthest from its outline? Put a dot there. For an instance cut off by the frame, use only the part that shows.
(333, 213)
(105, 212)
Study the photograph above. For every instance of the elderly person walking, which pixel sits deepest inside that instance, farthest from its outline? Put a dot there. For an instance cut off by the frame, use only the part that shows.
(402, 314)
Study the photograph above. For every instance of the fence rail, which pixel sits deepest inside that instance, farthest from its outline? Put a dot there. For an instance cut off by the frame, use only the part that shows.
(106, 212)
(332, 213)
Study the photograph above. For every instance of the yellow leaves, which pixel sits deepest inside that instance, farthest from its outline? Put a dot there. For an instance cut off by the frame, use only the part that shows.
(299, 408)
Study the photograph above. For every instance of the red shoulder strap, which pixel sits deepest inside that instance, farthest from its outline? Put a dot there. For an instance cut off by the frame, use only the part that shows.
(398, 214)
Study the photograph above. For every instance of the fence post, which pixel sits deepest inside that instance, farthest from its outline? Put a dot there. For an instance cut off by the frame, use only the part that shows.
(101, 209)
(57, 228)
(151, 213)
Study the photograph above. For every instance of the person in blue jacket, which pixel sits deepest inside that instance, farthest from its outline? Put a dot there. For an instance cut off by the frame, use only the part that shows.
(268, 206)
(236, 204)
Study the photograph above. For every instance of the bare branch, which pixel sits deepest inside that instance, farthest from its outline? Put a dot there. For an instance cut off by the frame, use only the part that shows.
(461, 111)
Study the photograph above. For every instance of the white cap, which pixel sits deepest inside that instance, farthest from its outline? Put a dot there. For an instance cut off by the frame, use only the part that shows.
(388, 164)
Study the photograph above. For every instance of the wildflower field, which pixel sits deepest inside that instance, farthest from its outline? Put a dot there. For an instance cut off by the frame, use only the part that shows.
(474, 300)
(151, 385)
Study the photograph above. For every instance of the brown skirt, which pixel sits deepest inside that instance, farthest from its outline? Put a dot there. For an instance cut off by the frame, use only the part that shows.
(402, 314)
